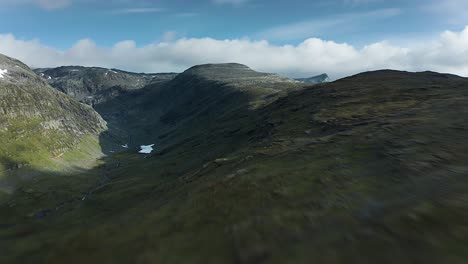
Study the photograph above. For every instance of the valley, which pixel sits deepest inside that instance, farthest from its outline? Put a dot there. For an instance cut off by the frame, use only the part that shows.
(247, 167)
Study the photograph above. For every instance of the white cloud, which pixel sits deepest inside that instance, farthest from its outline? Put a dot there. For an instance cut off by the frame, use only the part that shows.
(169, 36)
(445, 53)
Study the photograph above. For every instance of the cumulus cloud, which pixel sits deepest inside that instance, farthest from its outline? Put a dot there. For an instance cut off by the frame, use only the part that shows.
(447, 52)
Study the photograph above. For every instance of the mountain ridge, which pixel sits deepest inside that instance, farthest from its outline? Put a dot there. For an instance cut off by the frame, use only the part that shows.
(94, 85)
(322, 78)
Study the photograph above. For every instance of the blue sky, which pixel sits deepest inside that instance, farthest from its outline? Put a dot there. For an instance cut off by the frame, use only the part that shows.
(59, 25)
(144, 21)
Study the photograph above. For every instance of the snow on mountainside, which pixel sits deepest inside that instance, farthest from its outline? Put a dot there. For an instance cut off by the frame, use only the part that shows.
(3, 73)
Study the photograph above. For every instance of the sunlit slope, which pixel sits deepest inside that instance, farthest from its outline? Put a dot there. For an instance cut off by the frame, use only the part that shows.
(38, 123)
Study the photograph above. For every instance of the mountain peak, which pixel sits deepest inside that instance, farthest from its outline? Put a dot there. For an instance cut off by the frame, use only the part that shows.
(322, 78)
(232, 65)
(388, 74)
(5, 61)
(14, 71)
(222, 70)
(234, 74)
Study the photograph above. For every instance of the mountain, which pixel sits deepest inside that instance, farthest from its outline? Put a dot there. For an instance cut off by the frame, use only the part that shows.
(37, 122)
(322, 78)
(201, 100)
(250, 167)
(93, 85)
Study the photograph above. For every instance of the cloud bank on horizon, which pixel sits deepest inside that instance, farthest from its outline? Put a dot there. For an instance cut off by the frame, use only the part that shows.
(447, 52)
(339, 37)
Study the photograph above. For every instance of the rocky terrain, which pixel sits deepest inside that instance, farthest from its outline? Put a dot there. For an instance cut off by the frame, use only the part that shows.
(37, 122)
(168, 112)
(93, 85)
(322, 78)
(254, 168)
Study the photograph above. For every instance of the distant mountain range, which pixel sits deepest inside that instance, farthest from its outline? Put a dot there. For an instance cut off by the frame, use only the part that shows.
(244, 167)
(322, 78)
(93, 85)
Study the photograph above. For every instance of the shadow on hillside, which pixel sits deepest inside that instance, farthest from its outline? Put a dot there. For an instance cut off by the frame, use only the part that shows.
(191, 125)
(357, 172)
(197, 120)
(175, 113)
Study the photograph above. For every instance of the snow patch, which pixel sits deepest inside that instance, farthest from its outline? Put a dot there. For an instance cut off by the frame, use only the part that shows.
(111, 72)
(3, 73)
(49, 78)
(146, 149)
(125, 146)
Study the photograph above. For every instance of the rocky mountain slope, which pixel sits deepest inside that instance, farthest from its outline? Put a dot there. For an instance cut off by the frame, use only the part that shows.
(36, 121)
(322, 78)
(250, 168)
(195, 99)
(93, 85)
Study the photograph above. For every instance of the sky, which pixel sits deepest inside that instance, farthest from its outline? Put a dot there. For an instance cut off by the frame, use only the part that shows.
(296, 38)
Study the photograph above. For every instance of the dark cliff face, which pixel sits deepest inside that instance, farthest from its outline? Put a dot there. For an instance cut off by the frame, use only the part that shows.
(35, 118)
(165, 112)
(93, 85)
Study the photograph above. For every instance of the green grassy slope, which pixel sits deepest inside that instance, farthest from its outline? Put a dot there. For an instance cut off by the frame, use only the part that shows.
(38, 125)
(368, 169)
